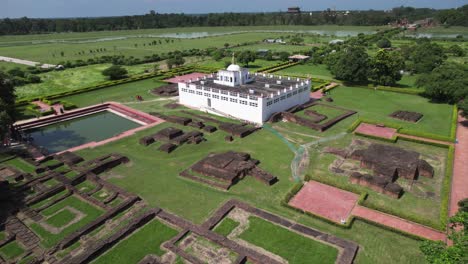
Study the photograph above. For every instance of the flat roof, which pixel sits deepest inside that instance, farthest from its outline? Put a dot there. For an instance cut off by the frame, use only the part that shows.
(258, 86)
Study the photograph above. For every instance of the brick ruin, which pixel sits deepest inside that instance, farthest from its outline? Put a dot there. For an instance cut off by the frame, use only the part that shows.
(172, 138)
(167, 90)
(387, 164)
(226, 169)
(105, 231)
(200, 122)
(407, 116)
(313, 119)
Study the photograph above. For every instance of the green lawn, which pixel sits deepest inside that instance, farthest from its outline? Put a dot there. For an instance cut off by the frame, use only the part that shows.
(291, 246)
(11, 250)
(61, 218)
(6, 66)
(144, 241)
(86, 186)
(49, 239)
(226, 226)
(45, 201)
(20, 164)
(309, 69)
(72, 79)
(408, 81)
(378, 105)
(253, 66)
(153, 175)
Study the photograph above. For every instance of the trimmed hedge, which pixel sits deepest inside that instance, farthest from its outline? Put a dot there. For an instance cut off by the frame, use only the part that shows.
(412, 91)
(446, 187)
(441, 145)
(424, 135)
(453, 127)
(403, 233)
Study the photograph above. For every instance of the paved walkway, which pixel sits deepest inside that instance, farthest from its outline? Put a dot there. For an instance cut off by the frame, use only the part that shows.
(26, 62)
(398, 223)
(377, 131)
(317, 94)
(460, 170)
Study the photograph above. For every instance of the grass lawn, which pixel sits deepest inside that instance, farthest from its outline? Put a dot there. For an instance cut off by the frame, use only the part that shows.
(61, 218)
(45, 201)
(226, 226)
(6, 66)
(324, 110)
(144, 241)
(11, 250)
(102, 194)
(291, 246)
(153, 175)
(378, 105)
(86, 186)
(253, 66)
(20, 164)
(72, 79)
(49, 239)
(309, 69)
(408, 81)
(50, 183)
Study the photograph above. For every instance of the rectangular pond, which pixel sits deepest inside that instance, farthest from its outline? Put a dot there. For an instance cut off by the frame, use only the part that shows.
(78, 131)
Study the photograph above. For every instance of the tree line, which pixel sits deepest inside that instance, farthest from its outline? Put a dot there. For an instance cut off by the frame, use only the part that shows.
(450, 17)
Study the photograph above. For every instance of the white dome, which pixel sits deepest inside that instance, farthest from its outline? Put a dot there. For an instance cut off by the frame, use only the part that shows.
(234, 67)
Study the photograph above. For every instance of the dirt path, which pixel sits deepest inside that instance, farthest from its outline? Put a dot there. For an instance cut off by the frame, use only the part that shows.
(460, 170)
(26, 62)
(398, 223)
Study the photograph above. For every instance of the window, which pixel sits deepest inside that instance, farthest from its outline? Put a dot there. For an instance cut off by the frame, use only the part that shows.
(243, 102)
(233, 94)
(215, 96)
(295, 92)
(253, 104)
(269, 103)
(215, 90)
(206, 89)
(224, 98)
(199, 93)
(289, 95)
(253, 98)
(207, 95)
(233, 100)
(243, 96)
(224, 92)
(198, 87)
(276, 100)
(191, 91)
(283, 97)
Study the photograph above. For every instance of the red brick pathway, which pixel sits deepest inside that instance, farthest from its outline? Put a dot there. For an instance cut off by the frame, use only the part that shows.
(187, 77)
(373, 130)
(398, 223)
(317, 94)
(336, 204)
(460, 171)
(424, 139)
(324, 200)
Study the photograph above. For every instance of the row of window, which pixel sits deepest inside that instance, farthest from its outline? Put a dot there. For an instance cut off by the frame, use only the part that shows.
(245, 96)
(283, 97)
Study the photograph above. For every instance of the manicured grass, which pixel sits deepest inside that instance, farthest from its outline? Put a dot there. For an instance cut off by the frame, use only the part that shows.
(86, 186)
(291, 246)
(20, 164)
(61, 218)
(72, 79)
(45, 201)
(253, 66)
(144, 241)
(6, 66)
(378, 105)
(226, 226)
(50, 183)
(408, 81)
(196, 202)
(71, 174)
(11, 250)
(49, 239)
(102, 194)
(309, 69)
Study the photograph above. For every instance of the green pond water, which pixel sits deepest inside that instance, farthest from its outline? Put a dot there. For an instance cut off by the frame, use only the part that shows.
(67, 134)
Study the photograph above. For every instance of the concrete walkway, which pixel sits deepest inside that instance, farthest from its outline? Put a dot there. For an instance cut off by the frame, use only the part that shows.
(460, 170)
(26, 62)
(425, 139)
(398, 223)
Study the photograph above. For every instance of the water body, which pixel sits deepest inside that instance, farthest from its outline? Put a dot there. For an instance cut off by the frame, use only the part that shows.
(68, 134)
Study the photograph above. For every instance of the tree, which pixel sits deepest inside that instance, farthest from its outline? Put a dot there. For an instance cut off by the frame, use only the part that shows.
(437, 252)
(176, 60)
(446, 83)
(247, 56)
(351, 64)
(456, 50)
(386, 67)
(217, 55)
(426, 56)
(463, 105)
(384, 43)
(115, 72)
(7, 105)
(226, 45)
(297, 40)
(284, 56)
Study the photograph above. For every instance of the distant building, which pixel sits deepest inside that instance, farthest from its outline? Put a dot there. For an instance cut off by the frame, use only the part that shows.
(294, 10)
(263, 52)
(336, 41)
(236, 93)
(298, 57)
(274, 41)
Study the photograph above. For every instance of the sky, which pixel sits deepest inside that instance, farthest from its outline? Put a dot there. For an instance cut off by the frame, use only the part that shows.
(93, 8)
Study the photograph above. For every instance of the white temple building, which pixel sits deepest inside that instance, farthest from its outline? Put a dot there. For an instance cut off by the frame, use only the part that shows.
(237, 93)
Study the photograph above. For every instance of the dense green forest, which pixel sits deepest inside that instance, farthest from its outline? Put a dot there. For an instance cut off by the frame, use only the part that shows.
(449, 17)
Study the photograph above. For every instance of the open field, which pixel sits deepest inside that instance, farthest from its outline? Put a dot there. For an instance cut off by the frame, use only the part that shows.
(309, 69)
(72, 79)
(253, 66)
(6, 66)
